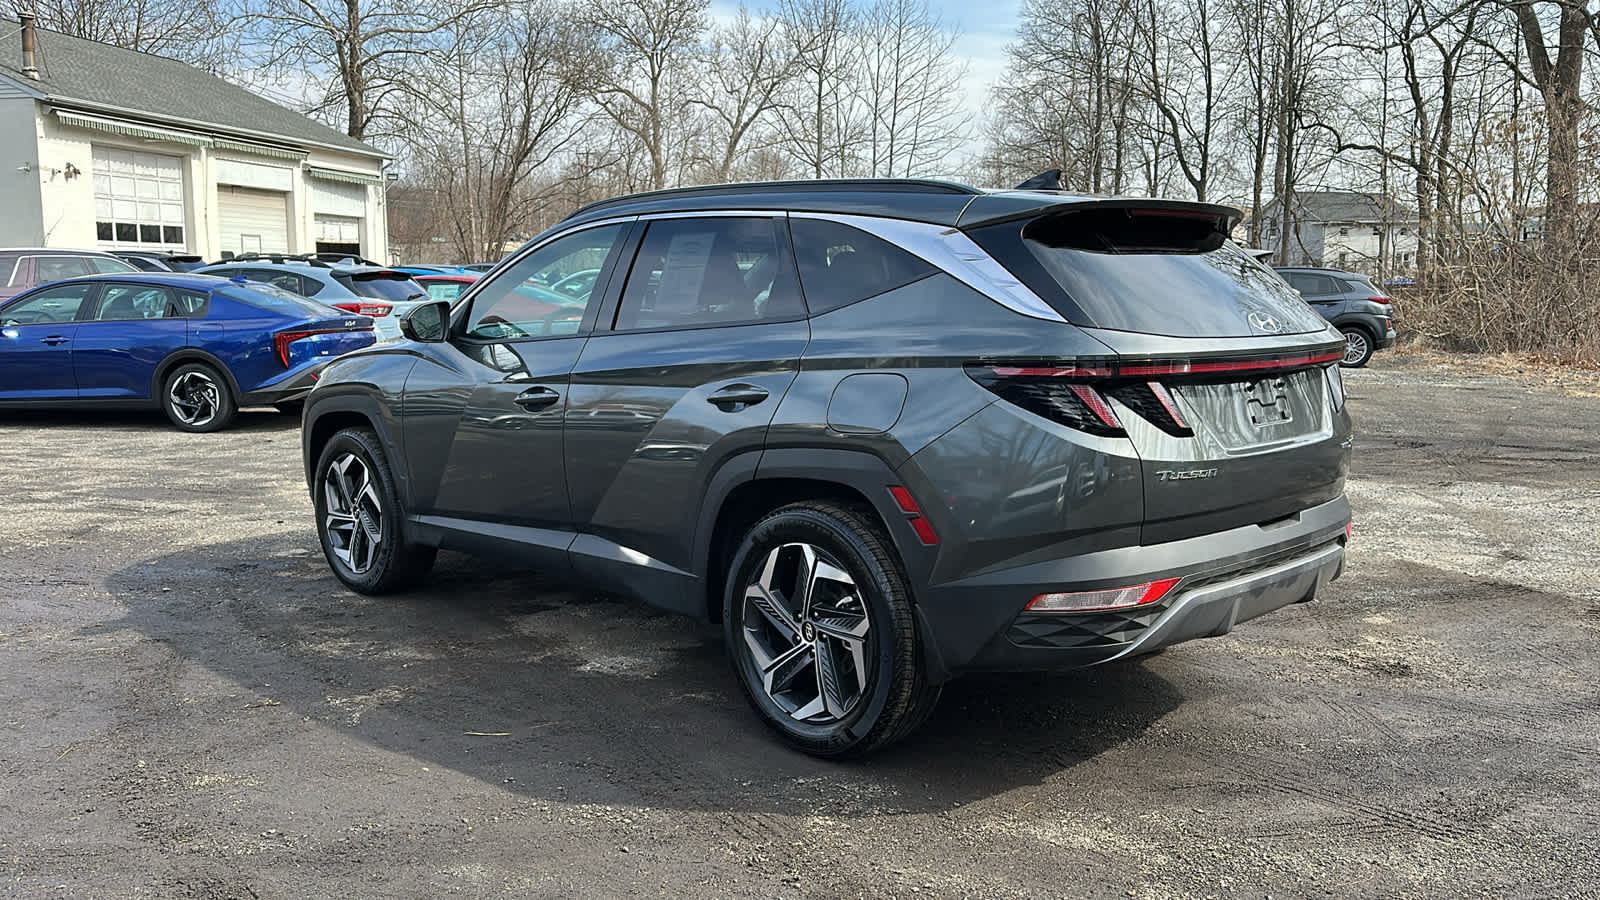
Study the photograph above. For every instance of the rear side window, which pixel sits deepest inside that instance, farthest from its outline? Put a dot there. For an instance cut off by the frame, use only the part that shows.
(840, 265)
(54, 268)
(277, 300)
(8, 269)
(1152, 271)
(288, 281)
(395, 287)
(707, 271)
(107, 265)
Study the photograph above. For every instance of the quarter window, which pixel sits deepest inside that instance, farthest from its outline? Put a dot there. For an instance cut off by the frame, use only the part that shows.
(523, 301)
(840, 264)
(709, 271)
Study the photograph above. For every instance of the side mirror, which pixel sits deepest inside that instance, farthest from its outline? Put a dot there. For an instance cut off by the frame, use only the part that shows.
(427, 323)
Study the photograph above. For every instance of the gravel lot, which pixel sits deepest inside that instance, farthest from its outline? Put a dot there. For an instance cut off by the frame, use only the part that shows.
(193, 708)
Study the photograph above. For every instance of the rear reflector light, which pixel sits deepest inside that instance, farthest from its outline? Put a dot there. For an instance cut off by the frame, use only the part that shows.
(919, 522)
(282, 340)
(366, 308)
(1099, 601)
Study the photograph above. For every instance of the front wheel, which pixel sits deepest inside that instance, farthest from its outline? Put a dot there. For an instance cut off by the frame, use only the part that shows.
(1358, 347)
(819, 625)
(359, 519)
(196, 398)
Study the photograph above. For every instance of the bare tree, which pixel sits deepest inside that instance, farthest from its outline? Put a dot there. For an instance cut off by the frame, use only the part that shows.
(911, 84)
(748, 64)
(194, 32)
(821, 123)
(494, 105)
(359, 48)
(646, 92)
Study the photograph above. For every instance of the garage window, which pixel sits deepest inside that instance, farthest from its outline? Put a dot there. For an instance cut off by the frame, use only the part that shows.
(138, 199)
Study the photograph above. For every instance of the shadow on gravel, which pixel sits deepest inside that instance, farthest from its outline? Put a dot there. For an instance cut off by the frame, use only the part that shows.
(248, 420)
(566, 695)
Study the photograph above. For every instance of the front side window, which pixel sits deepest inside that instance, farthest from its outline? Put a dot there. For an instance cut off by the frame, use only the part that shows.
(711, 271)
(840, 264)
(522, 302)
(129, 302)
(49, 306)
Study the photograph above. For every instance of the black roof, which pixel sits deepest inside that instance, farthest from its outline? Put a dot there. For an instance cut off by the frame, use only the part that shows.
(936, 202)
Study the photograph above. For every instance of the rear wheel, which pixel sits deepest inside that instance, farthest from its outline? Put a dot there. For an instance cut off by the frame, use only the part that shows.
(196, 398)
(821, 633)
(1358, 346)
(359, 519)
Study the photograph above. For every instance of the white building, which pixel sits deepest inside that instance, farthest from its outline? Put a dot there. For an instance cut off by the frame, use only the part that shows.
(111, 149)
(1357, 232)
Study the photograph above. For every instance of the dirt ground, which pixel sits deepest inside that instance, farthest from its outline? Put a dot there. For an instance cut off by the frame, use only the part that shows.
(192, 707)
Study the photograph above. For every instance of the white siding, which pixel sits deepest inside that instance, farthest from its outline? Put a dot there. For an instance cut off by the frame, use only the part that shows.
(252, 221)
(254, 175)
(22, 219)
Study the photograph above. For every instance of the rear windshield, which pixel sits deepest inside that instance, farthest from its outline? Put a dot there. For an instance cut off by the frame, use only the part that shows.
(396, 287)
(276, 299)
(1148, 271)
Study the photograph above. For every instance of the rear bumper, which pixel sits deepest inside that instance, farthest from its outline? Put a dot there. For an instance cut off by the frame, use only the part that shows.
(1227, 578)
(1387, 339)
(292, 386)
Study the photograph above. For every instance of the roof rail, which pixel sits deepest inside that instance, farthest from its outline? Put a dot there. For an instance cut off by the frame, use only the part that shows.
(279, 259)
(809, 186)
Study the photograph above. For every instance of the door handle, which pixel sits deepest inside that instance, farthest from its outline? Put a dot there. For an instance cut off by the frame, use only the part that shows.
(54, 339)
(536, 398)
(735, 397)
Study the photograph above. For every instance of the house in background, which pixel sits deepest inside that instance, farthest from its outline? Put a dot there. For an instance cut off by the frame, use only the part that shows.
(112, 149)
(1358, 232)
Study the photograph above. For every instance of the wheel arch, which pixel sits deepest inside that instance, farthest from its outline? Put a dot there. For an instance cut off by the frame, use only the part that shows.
(326, 416)
(738, 498)
(191, 355)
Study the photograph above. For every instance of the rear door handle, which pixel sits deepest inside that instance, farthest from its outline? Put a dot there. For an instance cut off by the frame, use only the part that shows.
(536, 398)
(735, 397)
(54, 339)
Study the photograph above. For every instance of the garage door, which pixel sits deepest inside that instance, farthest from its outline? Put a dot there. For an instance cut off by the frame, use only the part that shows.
(253, 221)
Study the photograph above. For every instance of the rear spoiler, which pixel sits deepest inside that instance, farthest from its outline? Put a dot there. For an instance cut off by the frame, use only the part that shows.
(1005, 206)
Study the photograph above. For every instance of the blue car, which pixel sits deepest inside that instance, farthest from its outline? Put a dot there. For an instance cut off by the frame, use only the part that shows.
(197, 346)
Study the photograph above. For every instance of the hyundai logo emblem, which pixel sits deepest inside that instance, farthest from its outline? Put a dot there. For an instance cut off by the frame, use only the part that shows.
(1263, 322)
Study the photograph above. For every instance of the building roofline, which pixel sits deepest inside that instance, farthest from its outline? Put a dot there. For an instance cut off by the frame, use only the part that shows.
(210, 127)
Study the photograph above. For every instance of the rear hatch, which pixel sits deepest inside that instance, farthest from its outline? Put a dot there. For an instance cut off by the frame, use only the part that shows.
(391, 291)
(1220, 375)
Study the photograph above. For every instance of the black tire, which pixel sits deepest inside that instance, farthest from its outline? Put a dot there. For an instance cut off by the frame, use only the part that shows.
(1354, 335)
(196, 398)
(892, 696)
(393, 564)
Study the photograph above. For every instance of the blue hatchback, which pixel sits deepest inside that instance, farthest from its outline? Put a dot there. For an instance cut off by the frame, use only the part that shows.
(198, 346)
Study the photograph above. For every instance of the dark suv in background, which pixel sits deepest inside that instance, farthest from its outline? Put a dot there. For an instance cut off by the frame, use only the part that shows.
(884, 432)
(1349, 300)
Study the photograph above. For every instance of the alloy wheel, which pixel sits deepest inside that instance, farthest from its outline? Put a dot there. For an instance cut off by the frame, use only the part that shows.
(195, 398)
(806, 629)
(353, 515)
(1355, 347)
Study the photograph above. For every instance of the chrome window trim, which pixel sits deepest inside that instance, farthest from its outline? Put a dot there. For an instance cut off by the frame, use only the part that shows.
(953, 253)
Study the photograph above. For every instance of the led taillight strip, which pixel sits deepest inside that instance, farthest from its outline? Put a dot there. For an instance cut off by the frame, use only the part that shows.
(1168, 367)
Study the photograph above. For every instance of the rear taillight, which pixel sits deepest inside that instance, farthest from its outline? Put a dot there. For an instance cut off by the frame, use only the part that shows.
(1335, 387)
(1383, 300)
(282, 340)
(1070, 403)
(1101, 601)
(366, 308)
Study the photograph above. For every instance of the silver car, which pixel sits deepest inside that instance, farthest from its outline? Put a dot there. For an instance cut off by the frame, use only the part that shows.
(382, 294)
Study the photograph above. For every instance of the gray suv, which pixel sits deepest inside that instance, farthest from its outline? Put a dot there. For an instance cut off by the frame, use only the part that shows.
(884, 432)
(1361, 312)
